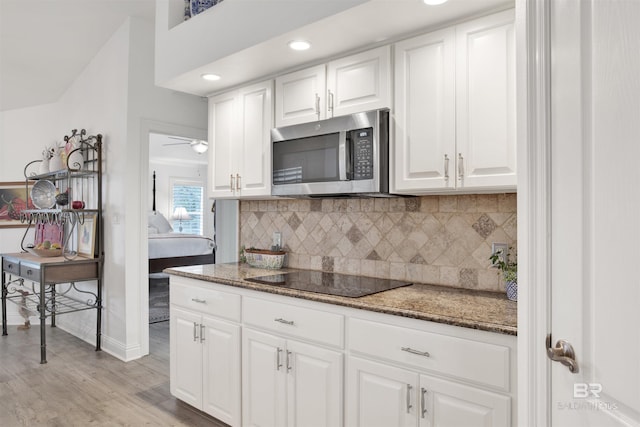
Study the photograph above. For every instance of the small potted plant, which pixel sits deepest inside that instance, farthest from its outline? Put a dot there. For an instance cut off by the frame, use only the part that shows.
(509, 271)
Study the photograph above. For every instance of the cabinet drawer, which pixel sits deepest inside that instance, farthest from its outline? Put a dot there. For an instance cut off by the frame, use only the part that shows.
(315, 325)
(207, 301)
(10, 267)
(477, 361)
(31, 272)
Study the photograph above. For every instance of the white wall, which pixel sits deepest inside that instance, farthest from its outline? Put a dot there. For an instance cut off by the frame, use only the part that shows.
(113, 96)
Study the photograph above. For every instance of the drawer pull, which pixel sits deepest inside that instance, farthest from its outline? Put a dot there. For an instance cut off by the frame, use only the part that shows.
(195, 331)
(288, 361)
(412, 351)
(199, 301)
(201, 332)
(286, 322)
(409, 405)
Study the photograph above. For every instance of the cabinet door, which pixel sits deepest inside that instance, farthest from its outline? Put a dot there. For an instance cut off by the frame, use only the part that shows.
(485, 87)
(300, 96)
(223, 145)
(221, 370)
(359, 82)
(314, 385)
(256, 121)
(263, 379)
(380, 395)
(425, 138)
(186, 357)
(446, 403)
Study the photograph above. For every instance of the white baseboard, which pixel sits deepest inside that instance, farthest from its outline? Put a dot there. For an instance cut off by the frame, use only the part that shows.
(109, 345)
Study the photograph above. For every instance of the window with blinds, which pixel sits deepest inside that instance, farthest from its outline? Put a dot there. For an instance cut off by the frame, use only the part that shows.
(189, 196)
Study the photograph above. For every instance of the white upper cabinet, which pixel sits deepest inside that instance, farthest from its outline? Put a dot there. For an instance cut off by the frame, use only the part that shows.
(300, 96)
(360, 82)
(240, 142)
(425, 123)
(455, 109)
(486, 101)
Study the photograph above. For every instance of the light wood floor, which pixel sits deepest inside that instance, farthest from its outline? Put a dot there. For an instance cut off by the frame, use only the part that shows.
(81, 387)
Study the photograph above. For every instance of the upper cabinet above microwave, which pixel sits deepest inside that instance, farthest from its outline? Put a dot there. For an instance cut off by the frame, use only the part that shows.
(360, 82)
(455, 109)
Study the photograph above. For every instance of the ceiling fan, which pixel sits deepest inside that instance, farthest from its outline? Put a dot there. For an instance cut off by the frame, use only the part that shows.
(198, 145)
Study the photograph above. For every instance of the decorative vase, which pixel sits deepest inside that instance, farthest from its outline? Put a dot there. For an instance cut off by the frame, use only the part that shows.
(56, 164)
(512, 290)
(44, 166)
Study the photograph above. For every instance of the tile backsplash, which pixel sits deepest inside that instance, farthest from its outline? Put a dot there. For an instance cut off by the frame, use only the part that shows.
(443, 240)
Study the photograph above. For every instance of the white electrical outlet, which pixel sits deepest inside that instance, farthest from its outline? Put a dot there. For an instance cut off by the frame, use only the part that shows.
(500, 247)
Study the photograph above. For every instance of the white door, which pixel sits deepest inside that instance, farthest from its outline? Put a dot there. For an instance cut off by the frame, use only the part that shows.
(595, 211)
(256, 116)
(359, 82)
(300, 96)
(263, 379)
(380, 395)
(425, 115)
(222, 145)
(448, 404)
(485, 102)
(221, 370)
(186, 357)
(314, 385)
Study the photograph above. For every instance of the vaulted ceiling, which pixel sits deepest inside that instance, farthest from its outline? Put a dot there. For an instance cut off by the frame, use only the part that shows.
(45, 44)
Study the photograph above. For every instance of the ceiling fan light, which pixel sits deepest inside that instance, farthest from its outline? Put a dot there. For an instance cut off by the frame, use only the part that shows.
(199, 146)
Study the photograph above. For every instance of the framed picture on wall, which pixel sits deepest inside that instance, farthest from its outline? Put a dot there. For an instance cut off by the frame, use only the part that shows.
(87, 236)
(14, 197)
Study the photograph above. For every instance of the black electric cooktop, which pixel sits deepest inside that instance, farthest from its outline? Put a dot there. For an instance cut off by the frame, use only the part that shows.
(344, 285)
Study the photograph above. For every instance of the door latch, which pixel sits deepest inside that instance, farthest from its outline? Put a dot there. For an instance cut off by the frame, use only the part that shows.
(563, 353)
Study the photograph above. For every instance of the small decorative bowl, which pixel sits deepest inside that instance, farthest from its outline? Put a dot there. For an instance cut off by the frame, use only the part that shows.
(264, 258)
(45, 253)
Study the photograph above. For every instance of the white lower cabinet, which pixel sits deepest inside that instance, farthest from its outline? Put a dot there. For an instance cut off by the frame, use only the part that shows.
(402, 372)
(289, 383)
(383, 395)
(205, 353)
(256, 359)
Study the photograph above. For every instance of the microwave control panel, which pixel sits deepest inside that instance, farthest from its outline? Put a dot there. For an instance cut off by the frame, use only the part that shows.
(362, 144)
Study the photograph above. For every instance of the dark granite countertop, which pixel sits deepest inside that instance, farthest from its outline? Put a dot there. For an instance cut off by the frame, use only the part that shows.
(486, 311)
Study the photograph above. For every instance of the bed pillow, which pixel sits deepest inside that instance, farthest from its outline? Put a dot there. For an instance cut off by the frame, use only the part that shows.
(159, 222)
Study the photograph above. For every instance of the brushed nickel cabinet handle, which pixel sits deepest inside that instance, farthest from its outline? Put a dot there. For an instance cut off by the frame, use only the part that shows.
(238, 186)
(278, 363)
(286, 322)
(409, 406)
(423, 404)
(201, 332)
(195, 331)
(318, 106)
(418, 352)
(288, 361)
(199, 301)
(231, 183)
(330, 102)
(460, 166)
(446, 167)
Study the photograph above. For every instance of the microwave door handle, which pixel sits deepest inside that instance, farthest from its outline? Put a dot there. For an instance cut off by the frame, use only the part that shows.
(342, 155)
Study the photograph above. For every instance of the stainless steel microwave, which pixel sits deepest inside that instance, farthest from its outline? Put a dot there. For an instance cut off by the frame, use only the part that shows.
(341, 156)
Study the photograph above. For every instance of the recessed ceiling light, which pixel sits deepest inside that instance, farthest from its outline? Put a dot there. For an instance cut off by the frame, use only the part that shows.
(210, 77)
(434, 2)
(299, 44)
